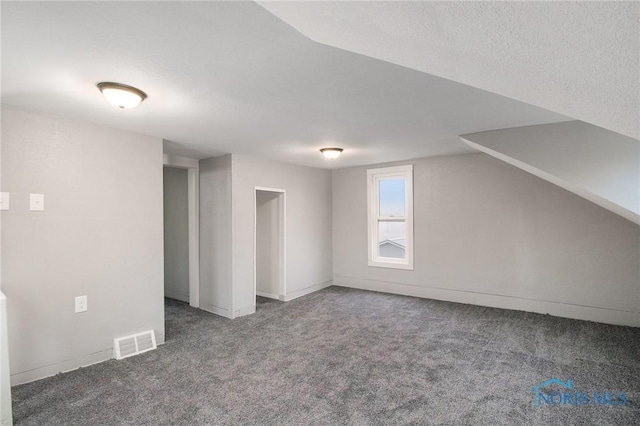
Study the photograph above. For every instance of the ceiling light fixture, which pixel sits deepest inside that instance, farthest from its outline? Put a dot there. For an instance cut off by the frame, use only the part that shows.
(121, 95)
(331, 153)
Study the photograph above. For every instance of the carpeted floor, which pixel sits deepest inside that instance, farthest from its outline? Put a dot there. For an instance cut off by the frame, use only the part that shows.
(342, 356)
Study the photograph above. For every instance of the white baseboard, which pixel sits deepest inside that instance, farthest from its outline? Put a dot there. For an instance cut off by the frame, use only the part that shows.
(68, 365)
(61, 367)
(302, 292)
(245, 310)
(248, 310)
(267, 295)
(587, 313)
(223, 312)
(159, 339)
(176, 296)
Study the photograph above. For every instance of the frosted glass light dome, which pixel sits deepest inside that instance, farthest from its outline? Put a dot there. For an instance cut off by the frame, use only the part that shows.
(331, 153)
(121, 95)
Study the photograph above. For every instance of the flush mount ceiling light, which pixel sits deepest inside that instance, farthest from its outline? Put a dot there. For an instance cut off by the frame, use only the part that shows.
(331, 153)
(121, 95)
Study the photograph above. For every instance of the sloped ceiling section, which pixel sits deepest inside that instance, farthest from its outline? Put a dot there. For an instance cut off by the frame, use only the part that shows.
(579, 59)
(597, 164)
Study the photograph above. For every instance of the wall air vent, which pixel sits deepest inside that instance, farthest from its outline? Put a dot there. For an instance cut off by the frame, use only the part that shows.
(135, 344)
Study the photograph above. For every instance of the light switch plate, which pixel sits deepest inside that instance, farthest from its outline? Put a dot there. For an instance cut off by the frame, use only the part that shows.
(5, 201)
(36, 202)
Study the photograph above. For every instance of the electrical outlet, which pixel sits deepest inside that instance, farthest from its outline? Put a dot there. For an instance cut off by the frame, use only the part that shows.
(36, 202)
(81, 304)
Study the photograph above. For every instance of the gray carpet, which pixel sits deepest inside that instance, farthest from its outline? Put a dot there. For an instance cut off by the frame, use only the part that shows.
(342, 356)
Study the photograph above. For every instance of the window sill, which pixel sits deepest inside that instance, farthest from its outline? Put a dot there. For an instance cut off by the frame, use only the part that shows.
(391, 265)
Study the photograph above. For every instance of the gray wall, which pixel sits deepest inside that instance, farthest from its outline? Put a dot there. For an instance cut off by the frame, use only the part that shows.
(308, 226)
(176, 234)
(490, 234)
(215, 235)
(100, 235)
(268, 243)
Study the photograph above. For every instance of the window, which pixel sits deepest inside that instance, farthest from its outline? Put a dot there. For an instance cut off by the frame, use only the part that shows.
(390, 206)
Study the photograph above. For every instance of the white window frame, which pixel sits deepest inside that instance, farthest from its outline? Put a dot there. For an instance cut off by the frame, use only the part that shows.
(373, 207)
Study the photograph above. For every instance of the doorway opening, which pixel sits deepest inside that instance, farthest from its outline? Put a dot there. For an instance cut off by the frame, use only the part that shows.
(269, 273)
(181, 251)
(176, 234)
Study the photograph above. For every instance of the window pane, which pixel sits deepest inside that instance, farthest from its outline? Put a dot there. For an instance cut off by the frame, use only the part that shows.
(391, 197)
(392, 239)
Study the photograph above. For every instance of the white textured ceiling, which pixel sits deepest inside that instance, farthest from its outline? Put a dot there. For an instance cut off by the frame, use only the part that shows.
(580, 59)
(232, 77)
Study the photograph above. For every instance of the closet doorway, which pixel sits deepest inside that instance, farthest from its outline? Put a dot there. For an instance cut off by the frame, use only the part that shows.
(269, 243)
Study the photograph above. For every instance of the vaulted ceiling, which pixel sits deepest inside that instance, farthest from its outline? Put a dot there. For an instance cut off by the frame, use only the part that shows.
(376, 79)
(580, 59)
